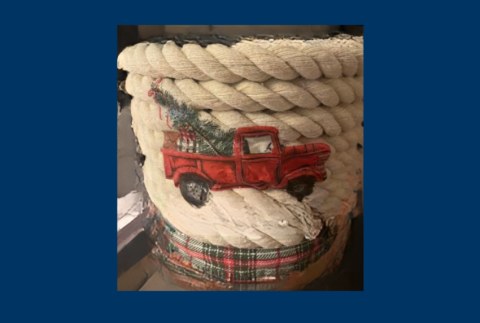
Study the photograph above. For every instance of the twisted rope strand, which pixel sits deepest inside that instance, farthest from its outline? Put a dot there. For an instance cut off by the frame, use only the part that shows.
(292, 124)
(244, 60)
(250, 96)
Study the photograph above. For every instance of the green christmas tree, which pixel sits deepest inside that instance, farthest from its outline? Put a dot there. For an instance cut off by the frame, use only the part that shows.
(210, 137)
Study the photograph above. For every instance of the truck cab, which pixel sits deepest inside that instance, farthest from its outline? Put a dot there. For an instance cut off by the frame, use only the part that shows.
(260, 154)
(265, 162)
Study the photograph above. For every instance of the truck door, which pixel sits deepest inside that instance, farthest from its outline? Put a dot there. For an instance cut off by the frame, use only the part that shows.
(260, 159)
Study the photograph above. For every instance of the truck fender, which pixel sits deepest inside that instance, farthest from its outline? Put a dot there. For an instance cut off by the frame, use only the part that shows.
(188, 170)
(301, 172)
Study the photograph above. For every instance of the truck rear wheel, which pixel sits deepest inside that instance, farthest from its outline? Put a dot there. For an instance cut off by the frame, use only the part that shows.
(301, 186)
(194, 189)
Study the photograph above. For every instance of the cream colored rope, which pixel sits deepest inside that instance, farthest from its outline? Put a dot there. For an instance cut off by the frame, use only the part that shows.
(245, 60)
(151, 137)
(251, 96)
(309, 93)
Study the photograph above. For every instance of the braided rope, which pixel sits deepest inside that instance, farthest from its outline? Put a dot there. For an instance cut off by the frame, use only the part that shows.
(244, 60)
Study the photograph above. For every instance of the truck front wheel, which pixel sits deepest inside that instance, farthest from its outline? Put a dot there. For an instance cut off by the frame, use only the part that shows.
(194, 189)
(301, 186)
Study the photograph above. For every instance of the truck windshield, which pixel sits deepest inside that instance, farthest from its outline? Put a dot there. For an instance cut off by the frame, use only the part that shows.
(257, 145)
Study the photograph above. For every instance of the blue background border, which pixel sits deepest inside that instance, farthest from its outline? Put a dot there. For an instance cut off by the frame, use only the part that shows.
(421, 177)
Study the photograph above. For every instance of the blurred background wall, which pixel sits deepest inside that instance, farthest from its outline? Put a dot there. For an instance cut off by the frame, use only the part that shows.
(131, 34)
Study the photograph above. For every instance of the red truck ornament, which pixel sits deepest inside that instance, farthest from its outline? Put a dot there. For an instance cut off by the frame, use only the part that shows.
(259, 161)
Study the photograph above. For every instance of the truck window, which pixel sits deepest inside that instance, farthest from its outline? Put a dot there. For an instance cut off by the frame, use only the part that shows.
(257, 145)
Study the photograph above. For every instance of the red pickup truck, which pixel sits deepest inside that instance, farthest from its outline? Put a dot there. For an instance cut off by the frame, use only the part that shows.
(259, 161)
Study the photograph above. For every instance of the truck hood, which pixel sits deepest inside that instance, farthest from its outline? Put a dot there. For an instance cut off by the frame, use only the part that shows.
(307, 148)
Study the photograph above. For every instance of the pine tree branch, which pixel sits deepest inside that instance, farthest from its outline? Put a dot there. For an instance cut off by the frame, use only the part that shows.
(182, 116)
(204, 138)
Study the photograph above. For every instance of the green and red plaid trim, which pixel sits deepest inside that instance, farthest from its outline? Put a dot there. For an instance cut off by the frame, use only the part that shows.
(235, 265)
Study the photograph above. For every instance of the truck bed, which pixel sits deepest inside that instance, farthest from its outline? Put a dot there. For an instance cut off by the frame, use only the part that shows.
(218, 169)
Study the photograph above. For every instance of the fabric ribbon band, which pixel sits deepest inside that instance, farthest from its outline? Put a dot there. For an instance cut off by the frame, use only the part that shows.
(187, 256)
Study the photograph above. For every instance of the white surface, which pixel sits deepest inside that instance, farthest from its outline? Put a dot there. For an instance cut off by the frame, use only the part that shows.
(260, 144)
(128, 208)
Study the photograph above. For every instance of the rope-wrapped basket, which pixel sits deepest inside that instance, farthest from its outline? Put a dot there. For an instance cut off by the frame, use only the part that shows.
(194, 98)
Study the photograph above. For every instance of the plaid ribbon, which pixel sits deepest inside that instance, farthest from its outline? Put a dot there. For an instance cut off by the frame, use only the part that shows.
(234, 265)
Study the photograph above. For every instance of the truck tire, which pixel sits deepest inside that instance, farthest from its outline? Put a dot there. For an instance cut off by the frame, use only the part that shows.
(194, 189)
(301, 186)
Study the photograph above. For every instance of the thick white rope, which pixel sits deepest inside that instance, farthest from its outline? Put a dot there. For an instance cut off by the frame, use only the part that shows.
(250, 204)
(292, 124)
(244, 60)
(308, 93)
(250, 96)
(225, 231)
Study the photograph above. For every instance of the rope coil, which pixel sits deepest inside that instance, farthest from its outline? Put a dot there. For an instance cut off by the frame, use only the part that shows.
(296, 88)
(244, 60)
(250, 96)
